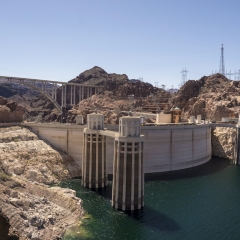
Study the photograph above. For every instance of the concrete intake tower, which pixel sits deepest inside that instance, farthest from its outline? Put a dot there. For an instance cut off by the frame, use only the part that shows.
(94, 173)
(128, 176)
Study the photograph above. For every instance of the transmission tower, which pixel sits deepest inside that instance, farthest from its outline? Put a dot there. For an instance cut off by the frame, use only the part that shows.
(237, 75)
(184, 76)
(229, 74)
(222, 65)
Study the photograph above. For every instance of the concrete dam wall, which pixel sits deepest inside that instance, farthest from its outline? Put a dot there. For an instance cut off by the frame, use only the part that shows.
(166, 148)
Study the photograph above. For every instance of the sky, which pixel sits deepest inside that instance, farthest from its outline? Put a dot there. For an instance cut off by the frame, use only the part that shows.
(149, 39)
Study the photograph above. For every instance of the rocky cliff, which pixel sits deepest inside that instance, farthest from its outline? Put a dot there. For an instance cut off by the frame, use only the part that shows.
(119, 84)
(31, 208)
(213, 97)
(10, 111)
(223, 142)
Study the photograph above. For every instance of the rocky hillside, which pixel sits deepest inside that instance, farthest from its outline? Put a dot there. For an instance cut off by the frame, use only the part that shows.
(10, 111)
(29, 208)
(213, 97)
(112, 106)
(35, 105)
(119, 84)
(37, 108)
(115, 96)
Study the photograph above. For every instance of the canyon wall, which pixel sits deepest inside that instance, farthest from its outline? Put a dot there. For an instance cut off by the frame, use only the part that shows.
(223, 142)
(29, 207)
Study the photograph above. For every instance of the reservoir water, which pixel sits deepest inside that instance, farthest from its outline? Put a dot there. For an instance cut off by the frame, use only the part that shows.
(199, 203)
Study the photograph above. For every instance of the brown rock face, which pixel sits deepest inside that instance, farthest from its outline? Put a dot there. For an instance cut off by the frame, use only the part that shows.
(4, 229)
(29, 208)
(213, 97)
(37, 107)
(10, 111)
(223, 142)
(119, 84)
(114, 97)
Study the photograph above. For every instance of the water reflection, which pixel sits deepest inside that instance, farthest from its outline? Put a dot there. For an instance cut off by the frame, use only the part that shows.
(216, 164)
(154, 219)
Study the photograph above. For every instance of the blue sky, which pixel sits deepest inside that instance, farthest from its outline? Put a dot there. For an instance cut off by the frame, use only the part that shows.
(153, 39)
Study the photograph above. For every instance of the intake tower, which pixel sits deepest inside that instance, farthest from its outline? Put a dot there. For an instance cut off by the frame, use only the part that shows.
(128, 176)
(94, 173)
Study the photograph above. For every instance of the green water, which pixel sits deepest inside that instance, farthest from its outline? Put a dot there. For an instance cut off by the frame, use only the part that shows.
(201, 203)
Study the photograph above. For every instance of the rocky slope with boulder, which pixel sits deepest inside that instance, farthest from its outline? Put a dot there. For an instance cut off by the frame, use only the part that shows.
(119, 84)
(119, 94)
(29, 207)
(36, 106)
(10, 111)
(111, 106)
(213, 97)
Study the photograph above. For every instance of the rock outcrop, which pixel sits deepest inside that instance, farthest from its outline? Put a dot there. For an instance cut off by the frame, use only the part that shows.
(32, 208)
(223, 142)
(10, 111)
(119, 84)
(111, 106)
(213, 97)
(35, 105)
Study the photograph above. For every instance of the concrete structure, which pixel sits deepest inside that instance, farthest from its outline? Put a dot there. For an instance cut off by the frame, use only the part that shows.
(128, 176)
(94, 173)
(237, 146)
(176, 115)
(167, 148)
(119, 151)
(163, 118)
(232, 120)
(191, 119)
(199, 119)
(79, 120)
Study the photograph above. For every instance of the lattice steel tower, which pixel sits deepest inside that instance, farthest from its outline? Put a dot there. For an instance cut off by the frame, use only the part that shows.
(184, 76)
(222, 65)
